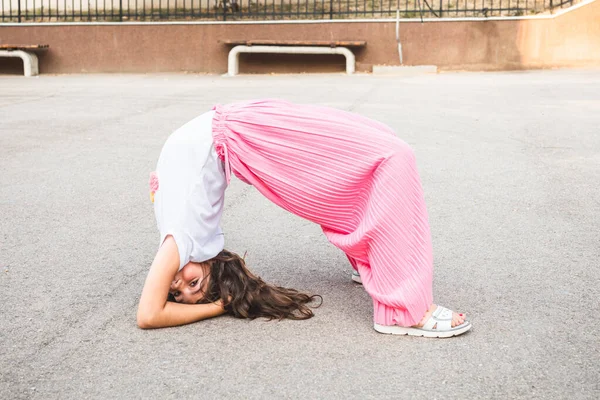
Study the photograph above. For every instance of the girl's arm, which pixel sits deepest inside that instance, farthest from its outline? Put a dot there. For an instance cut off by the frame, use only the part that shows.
(154, 311)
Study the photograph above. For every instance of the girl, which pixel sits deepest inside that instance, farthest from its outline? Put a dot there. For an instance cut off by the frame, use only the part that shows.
(345, 172)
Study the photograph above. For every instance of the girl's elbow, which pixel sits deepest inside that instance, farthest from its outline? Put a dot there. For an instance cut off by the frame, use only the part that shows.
(146, 320)
(144, 324)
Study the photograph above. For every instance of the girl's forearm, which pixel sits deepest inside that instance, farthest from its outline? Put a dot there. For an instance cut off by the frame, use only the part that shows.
(174, 314)
(154, 311)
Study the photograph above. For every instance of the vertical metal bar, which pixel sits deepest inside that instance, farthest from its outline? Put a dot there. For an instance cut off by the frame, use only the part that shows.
(121, 10)
(19, 11)
(330, 9)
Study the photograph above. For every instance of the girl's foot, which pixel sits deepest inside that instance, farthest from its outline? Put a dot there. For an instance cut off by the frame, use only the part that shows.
(356, 277)
(438, 322)
(457, 319)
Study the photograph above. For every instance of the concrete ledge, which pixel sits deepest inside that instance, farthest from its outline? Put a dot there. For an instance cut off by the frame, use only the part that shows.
(401, 70)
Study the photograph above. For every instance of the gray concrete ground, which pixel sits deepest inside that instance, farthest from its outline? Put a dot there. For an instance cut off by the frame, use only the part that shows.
(510, 164)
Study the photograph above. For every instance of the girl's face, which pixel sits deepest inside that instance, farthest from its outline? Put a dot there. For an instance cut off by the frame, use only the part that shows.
(189, 284)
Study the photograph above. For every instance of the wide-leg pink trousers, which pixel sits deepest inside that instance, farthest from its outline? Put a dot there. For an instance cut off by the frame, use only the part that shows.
(352, 176)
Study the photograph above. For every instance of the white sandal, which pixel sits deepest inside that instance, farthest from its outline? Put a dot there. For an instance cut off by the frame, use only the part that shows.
(439, 325)
(356, 277)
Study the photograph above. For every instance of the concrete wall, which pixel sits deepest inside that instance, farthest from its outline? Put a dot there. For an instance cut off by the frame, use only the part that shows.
(569, 40)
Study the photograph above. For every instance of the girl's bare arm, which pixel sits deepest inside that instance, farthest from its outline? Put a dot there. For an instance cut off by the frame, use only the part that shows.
(154, 311)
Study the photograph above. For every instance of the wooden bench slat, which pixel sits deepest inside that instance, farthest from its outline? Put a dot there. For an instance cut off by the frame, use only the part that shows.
(333, 43)
(23, 46)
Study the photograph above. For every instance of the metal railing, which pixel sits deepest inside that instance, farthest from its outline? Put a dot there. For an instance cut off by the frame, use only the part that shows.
(232, 10)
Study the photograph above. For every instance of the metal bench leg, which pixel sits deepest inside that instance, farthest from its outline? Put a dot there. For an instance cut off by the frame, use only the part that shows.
(233, 61)
(30, 61)
(34, 69)
(350, 59)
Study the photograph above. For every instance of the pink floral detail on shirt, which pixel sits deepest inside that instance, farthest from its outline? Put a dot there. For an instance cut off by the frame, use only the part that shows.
(153, 185)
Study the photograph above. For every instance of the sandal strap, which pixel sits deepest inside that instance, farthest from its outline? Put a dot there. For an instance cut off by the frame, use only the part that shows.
(442, 313)
(441, 318)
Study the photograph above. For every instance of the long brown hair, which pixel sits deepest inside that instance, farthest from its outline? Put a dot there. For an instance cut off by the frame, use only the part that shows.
(246, 295)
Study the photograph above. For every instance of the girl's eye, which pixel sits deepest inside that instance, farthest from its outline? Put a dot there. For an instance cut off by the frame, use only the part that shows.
(176, 294)
(194, 283)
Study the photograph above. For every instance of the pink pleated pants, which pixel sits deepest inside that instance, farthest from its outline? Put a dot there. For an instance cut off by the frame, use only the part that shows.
(349, 174)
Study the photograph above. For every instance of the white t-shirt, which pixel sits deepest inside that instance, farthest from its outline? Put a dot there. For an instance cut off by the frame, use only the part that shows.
(191, 189)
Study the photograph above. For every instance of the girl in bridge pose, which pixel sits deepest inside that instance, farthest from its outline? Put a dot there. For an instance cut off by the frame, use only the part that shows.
(347, 173)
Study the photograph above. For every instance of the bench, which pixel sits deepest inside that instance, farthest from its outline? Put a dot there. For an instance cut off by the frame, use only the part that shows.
(26, 53)
(290, 47)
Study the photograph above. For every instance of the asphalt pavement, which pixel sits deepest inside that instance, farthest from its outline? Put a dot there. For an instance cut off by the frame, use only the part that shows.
(510, 164)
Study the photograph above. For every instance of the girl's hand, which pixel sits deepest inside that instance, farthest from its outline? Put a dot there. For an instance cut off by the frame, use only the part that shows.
(154, 311)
